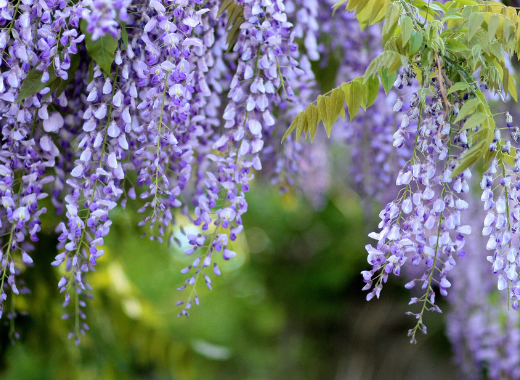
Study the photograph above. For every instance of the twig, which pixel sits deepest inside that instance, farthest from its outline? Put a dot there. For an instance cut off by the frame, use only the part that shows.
(447, 104)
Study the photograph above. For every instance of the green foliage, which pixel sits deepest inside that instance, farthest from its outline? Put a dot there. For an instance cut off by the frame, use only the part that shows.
(102, 50)
(235, 19)
(277, 311)
(33, 82)
(457, 41)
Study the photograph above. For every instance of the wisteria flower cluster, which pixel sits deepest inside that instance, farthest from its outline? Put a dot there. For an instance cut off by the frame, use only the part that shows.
(175, 106)
(439, 61)
(176, 103)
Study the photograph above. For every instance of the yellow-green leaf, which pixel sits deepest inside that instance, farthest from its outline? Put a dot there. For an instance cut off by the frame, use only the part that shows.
(387, 79)
(311, 113)
(509, 158)
(493, 24)
(301, 125)
(224, 6)
(511, 88)
(323, 114)
(372, 86)
(455, 46)
(416, 41)
(391, 17)
(339, 4)
(390, 60)
(470, 157)
(475, 119)
(293, 126)
(459, 86)
(507, 31)
(467, 108)
(376, 9)
(474, 22)
(338, 103)
(355, 92)
(406, 29)
(352, 4)
(331, 117)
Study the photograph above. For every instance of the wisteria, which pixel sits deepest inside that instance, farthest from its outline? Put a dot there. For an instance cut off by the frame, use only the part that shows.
(173, 108)
(94, 91)
(484, 331)
(443, 126)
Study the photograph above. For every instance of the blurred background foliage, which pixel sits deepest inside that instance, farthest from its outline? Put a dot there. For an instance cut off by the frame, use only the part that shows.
(289, 306)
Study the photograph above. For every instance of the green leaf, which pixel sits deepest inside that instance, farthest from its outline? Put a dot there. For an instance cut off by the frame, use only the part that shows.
(509, 158)
(90, 71)
(456, 45)
(511, 88)
(376, 9)
(32, 83)
(59, 84)
(416, 41)
(298, 124)
(328, 119)
(355, 92)
(493, 24)
(322, 113)
(102, 50)
(474, 22)
(390, 60)
(452, 13)
(470, 157)
(338, 4)
(387, 79)
(291, 128)
(372, 86)
(352, 4)
(124, 33)
(301, 125)
(507, 31)
(406, 29)
(53, 86)
(393, 12)
(460, 86)
(224, 6)
(475, 119)
(312, 120)
(337, 103)
(467, 108)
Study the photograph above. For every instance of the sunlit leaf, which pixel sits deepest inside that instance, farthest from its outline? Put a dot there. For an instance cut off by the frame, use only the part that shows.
(387, 80)
(470, 157)
(459, 86)
(456, 45)
(475, 119)
(467, 108)
(372, 86)
(406, 29)
(474, 22)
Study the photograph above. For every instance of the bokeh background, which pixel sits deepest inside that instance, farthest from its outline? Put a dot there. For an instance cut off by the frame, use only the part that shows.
(289, 306)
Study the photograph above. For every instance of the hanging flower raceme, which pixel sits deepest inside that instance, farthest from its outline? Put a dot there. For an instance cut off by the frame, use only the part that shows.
(423, 225)
(483, 330)
(94, 91)
(258, 85)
